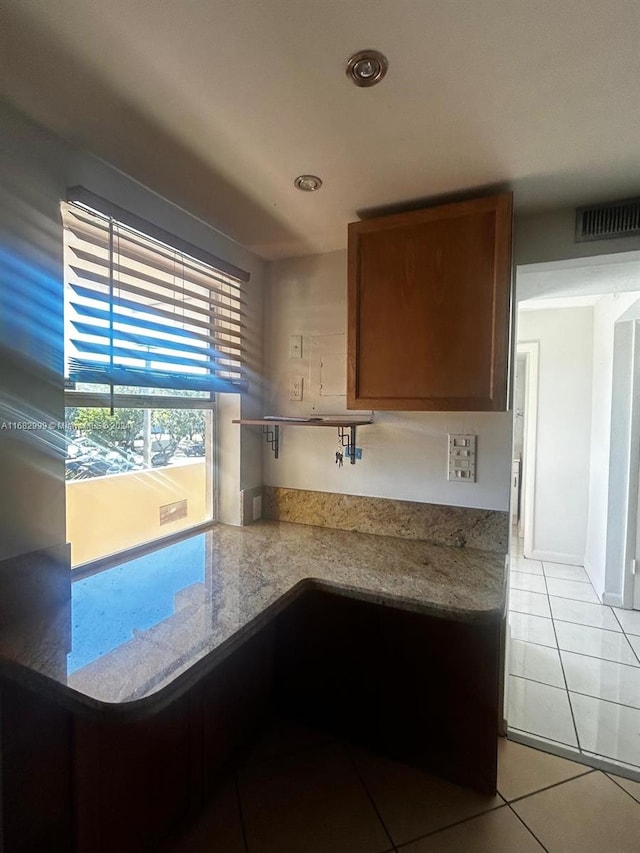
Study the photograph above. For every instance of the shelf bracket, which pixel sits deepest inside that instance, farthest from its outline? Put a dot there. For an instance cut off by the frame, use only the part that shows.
(347, 436)
(272, 435)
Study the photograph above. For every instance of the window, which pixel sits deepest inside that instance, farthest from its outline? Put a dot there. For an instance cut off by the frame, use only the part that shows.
(153, 330)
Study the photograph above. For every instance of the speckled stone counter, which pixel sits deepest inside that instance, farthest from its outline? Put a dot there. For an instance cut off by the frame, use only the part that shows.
(245, 577)
(179, 657)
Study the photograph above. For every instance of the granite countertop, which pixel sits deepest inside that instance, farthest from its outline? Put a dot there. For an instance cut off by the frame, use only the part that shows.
(226, 584)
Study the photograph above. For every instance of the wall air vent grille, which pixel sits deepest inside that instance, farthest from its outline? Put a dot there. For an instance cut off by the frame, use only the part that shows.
(606, 221)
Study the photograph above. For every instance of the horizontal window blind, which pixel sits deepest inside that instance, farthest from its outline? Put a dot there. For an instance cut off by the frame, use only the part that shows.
(141, 313)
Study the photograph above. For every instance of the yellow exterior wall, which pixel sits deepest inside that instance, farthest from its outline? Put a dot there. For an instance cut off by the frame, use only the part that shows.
(108, 514)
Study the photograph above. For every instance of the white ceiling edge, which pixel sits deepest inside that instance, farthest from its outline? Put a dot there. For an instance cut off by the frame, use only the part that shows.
(579, 277)
(578, 263)
(553, 303)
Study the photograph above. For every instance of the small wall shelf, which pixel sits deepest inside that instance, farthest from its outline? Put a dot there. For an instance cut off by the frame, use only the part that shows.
(271, 429)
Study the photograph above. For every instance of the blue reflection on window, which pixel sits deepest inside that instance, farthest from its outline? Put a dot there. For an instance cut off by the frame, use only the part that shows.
(107, 607)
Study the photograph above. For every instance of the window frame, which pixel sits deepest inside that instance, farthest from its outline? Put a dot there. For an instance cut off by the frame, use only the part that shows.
(164, 400)
(220, 280)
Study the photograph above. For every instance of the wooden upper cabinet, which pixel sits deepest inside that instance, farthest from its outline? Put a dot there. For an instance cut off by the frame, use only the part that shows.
(429, 308)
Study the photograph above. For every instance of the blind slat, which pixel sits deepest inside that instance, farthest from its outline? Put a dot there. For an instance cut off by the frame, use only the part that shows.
(81, 199)
(92, 313)
(185, 289)
(153, 297)
(135, 249)
(86, 371)
(132, 354)
(85, 249)
(179, 324)
(152, 341)
(128, 304)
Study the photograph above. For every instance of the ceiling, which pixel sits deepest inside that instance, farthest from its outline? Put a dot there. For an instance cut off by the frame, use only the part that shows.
(218, 104)
(559, 302)
(576, 278)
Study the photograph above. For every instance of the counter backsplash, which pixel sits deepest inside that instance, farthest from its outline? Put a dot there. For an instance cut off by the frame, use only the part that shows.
(460, 527)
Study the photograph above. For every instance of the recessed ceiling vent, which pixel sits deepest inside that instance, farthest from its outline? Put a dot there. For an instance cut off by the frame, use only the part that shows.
(605, 221)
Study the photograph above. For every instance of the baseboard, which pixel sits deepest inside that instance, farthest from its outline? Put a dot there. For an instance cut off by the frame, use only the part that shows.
(574, 754)
(599, 591)
(556, 557)
(613, 599)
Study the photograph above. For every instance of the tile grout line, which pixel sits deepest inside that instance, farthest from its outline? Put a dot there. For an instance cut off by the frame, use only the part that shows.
(528, 828)
(531, 643)
(615, 616)
(615, 782)
(398, 847)
(583, 624)
(544, 683)
(610, 702)
(567, 621)
(569, 580)
(573, 580)
(584, 757)
(587, 771)
(528, 612)
(502, 805)
(552, 577)
(597, 657)
(580, 750)
(523, 613)
(577, 693)
(564, 675)
(580, 625)
(347, 748)
(572, 651)
(635, 654)
(520, 589)
(569, 598)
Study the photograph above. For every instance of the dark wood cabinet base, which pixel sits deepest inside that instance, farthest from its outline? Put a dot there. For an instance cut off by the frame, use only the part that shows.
(412, 686)
(416, 688)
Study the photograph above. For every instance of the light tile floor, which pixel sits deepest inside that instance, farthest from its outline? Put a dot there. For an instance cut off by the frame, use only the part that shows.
(303, 792)
(574, 669)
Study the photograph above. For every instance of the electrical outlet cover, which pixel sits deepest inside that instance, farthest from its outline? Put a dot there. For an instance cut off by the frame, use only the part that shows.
(295, 388)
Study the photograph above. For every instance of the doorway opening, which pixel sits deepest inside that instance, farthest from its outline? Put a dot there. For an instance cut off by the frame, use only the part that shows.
(574, 639)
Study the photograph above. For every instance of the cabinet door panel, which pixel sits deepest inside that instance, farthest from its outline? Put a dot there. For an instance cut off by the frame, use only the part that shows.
(429, 308)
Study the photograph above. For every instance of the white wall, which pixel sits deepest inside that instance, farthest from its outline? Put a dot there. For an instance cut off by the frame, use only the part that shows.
(624, 461)
(404, 453)
(605, 313)
(35, 170)
(564, 425)
(550, 236)
(408, 453)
